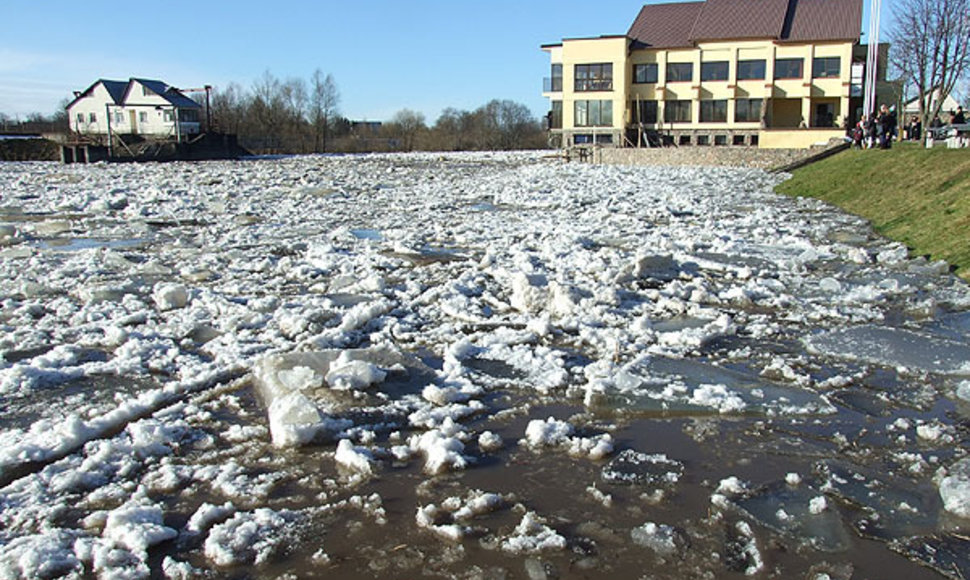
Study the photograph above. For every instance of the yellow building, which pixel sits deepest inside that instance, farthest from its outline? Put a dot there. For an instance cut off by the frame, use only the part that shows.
(770, 73)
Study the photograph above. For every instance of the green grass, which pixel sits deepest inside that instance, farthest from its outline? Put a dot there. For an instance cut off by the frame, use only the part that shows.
(917, 196)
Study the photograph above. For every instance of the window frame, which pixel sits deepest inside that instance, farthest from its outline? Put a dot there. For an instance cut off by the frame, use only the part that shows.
(746, 108)
(707, 68)
(826, 60)
(790, 61)
(646, 66)
(588, 82)
(743, 65)
(678, 105)
(715, 109)
(673, 66)
(593, 115)
(644, 113)
(555, 87)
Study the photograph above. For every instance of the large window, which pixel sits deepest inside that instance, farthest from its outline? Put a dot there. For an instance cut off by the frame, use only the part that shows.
(714, 111)
(644, 112)
(825, 68)
(92, 118)
(751, 70)
(788, 68)
(594, 77)
(680, 72)
(714, 71)
(677, 112)
(555, 84)
(747, 110)
(594, 114)
(555, 115)
(645, 73)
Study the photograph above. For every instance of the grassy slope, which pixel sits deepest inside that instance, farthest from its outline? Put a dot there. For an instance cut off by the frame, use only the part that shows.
(917, 196)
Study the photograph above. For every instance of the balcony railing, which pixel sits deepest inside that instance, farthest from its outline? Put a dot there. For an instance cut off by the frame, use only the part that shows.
(552, 85)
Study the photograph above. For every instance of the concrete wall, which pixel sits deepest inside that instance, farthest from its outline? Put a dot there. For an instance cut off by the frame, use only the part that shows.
(702, 156)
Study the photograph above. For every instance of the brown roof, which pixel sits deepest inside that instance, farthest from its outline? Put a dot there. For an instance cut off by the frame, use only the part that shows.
(732, 19)
(665, 25)
(823, 20)
(683, 24)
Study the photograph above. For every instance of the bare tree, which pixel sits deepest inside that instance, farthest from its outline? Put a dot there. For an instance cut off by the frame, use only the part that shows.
(406, 125)
(324, 107)
(931, 47)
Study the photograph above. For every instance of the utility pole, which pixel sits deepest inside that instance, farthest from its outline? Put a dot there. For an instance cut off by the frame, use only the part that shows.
(872, 59)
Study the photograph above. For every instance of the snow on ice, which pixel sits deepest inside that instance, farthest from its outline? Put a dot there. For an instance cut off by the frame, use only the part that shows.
(275, 367)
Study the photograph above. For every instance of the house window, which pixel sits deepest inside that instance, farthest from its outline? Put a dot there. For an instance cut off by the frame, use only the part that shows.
(788, 68)
(645, 73)
(826, 68)
(677, 112)
(555, 85)
(146, 92)
(704, 140)
(555, 116)
(143, 116)
(169, 116)
(189, 115)
(751, 70)
(747, 110)
(80, 118)
(680, 72)
(714, 111)
(594, 77)
(644, 112)
(714, 71)
(720, 139)
(92, 117)
(119, 118)
(594, 114)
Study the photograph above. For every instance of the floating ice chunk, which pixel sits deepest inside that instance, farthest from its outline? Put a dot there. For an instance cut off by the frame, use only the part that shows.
(555, 433)
(532, 536)
(348, 374)
(247, 538)
(175, 570)
(963, 390)
(717, 397)
(442, 452)
(817, 505)
(793, 479)
(548, 433)
(353, 458)
(300, 378)
(663, 539)
(47, 555)
(489, 441)
(634, 467)
(169, 296)
(955, 488)
(137, 528)
(447, 519)
(207, 515)
(895, 347)
(743, 554)
(293, 420)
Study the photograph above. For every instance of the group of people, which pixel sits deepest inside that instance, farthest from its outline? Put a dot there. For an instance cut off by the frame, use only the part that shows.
(876, 130)
(881, 129)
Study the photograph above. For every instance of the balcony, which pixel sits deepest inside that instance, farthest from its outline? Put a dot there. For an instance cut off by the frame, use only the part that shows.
(552, 85)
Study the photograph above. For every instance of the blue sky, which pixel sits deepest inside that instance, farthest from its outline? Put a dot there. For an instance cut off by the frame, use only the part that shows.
(385, 55)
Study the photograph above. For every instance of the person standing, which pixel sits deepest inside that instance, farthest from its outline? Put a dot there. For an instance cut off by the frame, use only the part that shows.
(887, 127)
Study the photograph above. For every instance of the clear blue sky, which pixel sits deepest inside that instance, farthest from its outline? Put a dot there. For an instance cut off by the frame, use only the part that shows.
(384, 54)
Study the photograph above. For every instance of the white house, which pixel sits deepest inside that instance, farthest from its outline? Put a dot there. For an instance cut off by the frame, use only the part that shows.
(134, 107)
(911, 108)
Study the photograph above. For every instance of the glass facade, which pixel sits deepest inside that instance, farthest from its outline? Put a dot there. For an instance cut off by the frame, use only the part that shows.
(645, 73)
(594, 77)
(594, 114)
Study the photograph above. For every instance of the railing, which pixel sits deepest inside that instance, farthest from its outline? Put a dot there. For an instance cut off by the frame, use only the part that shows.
(552, 85)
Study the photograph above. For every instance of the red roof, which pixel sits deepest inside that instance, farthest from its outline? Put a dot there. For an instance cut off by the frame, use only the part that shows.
(683, 24)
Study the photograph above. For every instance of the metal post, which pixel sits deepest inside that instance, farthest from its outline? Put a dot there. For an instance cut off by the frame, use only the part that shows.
(107, 114)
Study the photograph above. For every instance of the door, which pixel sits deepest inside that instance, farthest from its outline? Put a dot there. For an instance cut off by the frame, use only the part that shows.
(134, 122)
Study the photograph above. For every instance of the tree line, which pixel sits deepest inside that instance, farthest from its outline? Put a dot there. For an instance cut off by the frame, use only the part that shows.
(298, 116)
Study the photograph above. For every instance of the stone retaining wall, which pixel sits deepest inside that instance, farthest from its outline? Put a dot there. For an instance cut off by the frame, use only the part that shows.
(701, 156)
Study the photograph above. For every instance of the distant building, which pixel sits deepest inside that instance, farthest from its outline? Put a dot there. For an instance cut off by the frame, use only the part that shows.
(911, 108)
(772, 73)
(134, 107)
